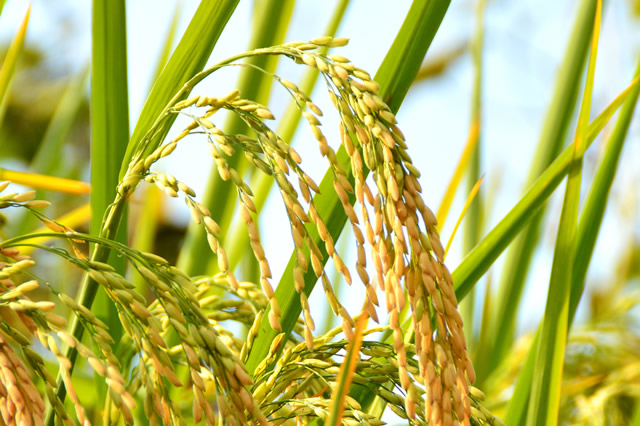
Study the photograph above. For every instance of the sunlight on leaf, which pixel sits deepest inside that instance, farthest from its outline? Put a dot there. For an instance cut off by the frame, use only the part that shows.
(49, 183)
(470, 199)
(461, 168)
(347, 370)
(11, 59)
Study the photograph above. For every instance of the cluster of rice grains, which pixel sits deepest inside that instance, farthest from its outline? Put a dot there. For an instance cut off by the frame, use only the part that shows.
(20, 400)
(207, 354)
(407, 257)
(284, 395)
(176, 310)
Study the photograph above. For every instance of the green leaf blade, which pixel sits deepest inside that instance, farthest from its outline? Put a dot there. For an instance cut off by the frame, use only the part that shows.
(551, 140)
(586, 234)
(11, 58)
(544, 403)
(109, 129)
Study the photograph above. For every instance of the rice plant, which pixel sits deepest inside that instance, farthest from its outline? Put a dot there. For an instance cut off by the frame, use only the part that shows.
(217, 336)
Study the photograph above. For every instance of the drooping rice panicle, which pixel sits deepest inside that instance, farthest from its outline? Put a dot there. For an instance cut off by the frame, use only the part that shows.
(404, 244)
(385, 212)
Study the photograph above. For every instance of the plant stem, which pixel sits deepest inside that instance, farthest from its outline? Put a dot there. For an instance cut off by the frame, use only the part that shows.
(88, 292)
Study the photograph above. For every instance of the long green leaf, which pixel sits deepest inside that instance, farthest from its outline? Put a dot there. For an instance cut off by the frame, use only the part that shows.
(395, 76)
(11, 58)
(474, 217)
(271, 21)
(588, 227)
(168, 43)
(551, 140)
(593, 212)
(408, 50)
(480, 259)
(544, 402)
(635, 420)
(109, 129)
(189, 57)
(476, 263)
(517, 408)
